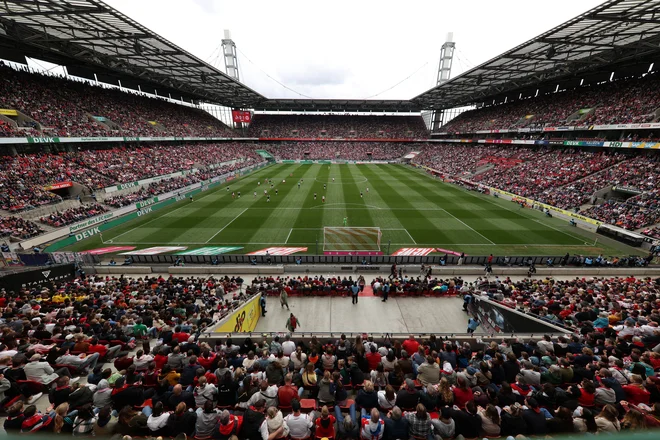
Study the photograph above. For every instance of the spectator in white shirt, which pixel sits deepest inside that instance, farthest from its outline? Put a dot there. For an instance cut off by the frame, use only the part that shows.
(299, 424)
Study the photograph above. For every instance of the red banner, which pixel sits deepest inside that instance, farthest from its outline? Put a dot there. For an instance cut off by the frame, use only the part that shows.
(241, 116)
(58, 185)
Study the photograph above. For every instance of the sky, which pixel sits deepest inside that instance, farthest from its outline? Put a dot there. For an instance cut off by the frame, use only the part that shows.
(349, 49)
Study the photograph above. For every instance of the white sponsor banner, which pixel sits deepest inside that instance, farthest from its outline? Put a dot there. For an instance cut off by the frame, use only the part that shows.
(13, 140)
(149, 180)
(279, 251)
(155, 250)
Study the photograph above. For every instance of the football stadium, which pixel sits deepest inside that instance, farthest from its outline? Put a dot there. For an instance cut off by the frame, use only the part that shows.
(475, 256)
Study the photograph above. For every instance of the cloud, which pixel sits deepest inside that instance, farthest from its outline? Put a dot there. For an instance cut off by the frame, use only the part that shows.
(208, 6)
(314, 75)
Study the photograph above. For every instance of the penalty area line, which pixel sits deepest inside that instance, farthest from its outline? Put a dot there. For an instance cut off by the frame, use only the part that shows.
(411, 237)
(223, 228)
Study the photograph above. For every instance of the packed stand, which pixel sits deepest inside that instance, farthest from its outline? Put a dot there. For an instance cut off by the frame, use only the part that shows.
(637, 173)
(173, 184)
(337, 126)
(23, 179)
(72, 215)
(19, 228)
(623, 214)
(547, 169)
(619, 102)
(67, 107)
(463, 160)
(601, 379)
(123, 165)
(363, 151)
(652, 232)
(403, 285)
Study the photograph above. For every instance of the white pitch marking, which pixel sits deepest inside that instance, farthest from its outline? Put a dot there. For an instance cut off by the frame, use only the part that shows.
(223, 228)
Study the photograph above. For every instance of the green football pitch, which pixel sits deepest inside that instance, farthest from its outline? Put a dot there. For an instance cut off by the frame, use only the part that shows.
(410, 208)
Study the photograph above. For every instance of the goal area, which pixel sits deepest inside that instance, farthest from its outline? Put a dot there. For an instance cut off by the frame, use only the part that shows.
(351, 239)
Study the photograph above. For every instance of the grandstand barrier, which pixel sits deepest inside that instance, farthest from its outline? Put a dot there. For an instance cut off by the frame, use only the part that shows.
(242, 320)
(499, 318)
(374, 263)
(227, 270)
(96, 225)
(476, 341)
(168, 176)
(640, 126)
(38, 277)
(565, 143)
(438, 271)
(87, 140)
(118, 270)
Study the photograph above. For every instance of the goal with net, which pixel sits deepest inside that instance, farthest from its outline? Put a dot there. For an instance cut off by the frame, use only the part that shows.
(354, 239)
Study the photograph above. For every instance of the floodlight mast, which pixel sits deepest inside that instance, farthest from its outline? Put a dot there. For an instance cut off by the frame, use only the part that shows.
(231, 62)
(229, 52)
(444, 72)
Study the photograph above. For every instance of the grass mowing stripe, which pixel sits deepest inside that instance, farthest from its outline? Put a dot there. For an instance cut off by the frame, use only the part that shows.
(421, 226)
(311, 218)
(201, 221)
(225, 226)
(523, 216)
(351, 193)
(200, 201)
(404, 209)
(435, 197)
(252, 224)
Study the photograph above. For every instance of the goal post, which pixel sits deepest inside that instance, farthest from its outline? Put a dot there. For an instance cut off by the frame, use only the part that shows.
(354, 239)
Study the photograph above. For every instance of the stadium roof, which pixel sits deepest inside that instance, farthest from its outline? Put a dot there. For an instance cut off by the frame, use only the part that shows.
(91, 38)
(337, 105)
(88, 36)
(618, 32)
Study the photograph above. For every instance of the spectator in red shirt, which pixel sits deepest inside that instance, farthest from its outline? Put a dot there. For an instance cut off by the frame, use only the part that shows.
(635, 391)
(286, 393)
(160, 358)
(325, 425)
(410, 345)
(462, 391)
(206, 359)
(373, 358)
(104, 351)
(587, 396)
(179, 336)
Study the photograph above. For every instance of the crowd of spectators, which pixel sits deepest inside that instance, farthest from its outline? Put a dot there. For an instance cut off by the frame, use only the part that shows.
(617, 102)
(652, 232)
(167, 185)
(24, 178)
(18, 228)
(337, 126)
(623, 214)
(567, 179)
(67, 107)
(463, 160)
(339, 150)
(123, 165)
(600, 379)
(548, 169)
(72, 215)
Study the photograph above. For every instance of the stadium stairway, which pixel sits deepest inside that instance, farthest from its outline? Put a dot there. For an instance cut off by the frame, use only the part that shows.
(368, 291)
